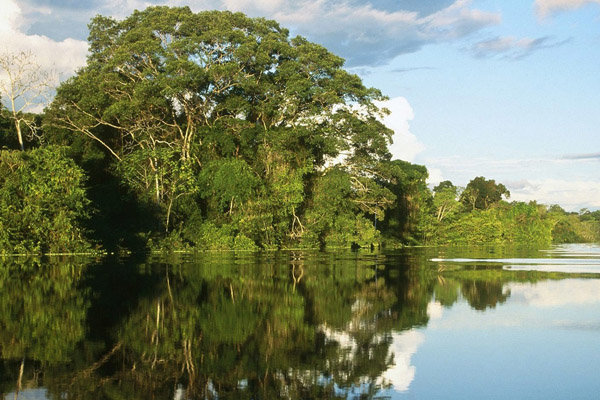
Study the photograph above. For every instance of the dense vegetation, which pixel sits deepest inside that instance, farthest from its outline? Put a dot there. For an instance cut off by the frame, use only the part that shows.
(213, 130)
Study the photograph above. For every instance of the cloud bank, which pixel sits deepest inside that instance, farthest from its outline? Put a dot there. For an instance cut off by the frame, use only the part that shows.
(405, 145)
(573, 195)
(63, 57)
(365, 33)
(583, 156)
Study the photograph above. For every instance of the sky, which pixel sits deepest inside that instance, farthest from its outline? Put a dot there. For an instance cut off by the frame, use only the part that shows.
(505, 89)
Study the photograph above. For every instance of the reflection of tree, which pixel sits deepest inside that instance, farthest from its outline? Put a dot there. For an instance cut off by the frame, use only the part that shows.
(289, 328)
(240, 332)
(42, 317)
(484, 294)
(481, 293)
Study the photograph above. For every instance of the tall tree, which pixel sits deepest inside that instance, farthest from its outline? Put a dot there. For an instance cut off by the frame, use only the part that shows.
(219, 86)
(408, 182)
(445, 200)
(482, 193)
(24, 85)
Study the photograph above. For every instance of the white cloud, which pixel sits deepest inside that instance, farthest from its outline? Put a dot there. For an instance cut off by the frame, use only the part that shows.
(122, 8)
(435, 176)
(405, 144)
(63, 57)
(545, 8)
(570, 194)
(360, 31)
(512, 48)
(365, 32)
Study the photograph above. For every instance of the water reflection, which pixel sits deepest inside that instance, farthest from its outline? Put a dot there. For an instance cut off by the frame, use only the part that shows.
(295, 325)
(548, 294)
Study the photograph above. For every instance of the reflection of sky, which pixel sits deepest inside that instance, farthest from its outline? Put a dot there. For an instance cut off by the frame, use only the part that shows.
(28, 394)
(575, 250)
(543, 343)
(403, 346)
(569, 258)
(552, 293)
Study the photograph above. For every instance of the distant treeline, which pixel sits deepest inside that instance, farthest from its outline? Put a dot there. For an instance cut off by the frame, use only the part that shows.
(213, 130)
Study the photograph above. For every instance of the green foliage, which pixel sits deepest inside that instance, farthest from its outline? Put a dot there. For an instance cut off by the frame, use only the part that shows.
(505, 223)
(481, 193)
(226, 182)
(406, 217)
(42, 202)
(342, 210)
(207, 236)
(213, 130)
(228, 108)
(573, 227)
(159, 175)
(445, 201)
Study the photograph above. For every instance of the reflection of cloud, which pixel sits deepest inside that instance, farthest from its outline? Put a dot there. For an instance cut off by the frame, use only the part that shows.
(341, 337)
(33, 394)
(404, 346)
(552, 293)
(578, 325)
(435, 310)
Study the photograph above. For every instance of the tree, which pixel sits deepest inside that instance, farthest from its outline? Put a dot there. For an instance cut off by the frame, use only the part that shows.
(24, 86)
(445, 200)
(219, 87)
(408, 182)
(481, 193)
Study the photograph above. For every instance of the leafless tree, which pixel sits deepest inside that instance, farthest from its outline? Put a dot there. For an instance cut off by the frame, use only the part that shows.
(24, 85)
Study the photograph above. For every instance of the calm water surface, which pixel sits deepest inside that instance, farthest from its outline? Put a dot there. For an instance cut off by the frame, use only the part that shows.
(487, 323)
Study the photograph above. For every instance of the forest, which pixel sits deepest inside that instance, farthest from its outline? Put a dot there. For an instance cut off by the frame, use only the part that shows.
(215, 131)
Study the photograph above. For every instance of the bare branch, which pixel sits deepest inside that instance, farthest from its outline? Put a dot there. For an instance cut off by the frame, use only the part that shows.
(23, 86)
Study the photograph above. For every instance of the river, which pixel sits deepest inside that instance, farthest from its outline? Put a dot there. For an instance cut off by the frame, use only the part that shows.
(421, 323)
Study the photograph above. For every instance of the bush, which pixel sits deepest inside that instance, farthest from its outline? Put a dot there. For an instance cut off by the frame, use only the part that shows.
(42, 202)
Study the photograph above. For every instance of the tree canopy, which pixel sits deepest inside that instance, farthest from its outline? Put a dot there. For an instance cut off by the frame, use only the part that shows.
(481, 193)
(173, 95)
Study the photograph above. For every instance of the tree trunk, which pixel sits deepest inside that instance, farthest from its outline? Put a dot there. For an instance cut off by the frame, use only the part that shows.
(19, 135)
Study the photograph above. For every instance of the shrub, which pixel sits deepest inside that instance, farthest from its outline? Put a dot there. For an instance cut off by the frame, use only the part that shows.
(42, 202)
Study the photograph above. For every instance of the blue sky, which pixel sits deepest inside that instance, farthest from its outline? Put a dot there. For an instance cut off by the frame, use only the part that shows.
(509, 90)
